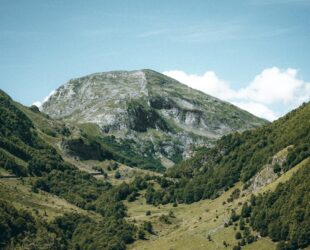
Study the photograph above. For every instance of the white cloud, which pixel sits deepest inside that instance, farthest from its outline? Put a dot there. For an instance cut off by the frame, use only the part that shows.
(273, 85)
(270, 89)
(208, 83)
(40, 103)
(257, 109)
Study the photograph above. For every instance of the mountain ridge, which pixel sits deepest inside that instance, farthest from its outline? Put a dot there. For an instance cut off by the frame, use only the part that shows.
(148, 107)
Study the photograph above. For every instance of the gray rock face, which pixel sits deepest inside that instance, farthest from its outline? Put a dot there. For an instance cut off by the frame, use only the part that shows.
(150, 109)
(267, 175)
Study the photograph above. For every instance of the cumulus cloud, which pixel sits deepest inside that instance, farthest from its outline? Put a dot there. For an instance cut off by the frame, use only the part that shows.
(208, 83)
(40, 103)
(273, 85)
(268, 90)
(257, 109)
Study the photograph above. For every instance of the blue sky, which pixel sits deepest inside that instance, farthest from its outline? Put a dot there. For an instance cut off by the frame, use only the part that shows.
(246, 44)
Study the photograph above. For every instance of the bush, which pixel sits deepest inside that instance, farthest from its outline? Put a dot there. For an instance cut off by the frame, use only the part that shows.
(236, 248)
(238, 236)
(276, 168)
(234, 216)
(246, 210)
(165, 219)
(148, 227)
(117, 175)
(141, 235)
(241, 224)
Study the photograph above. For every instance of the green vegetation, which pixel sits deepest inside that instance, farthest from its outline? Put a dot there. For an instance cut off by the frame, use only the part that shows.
(25, 153)
(85, 149)
(19, 141)
(14, 224)
(124, 151)
(99, 215)
(19, 229)
(142, 117)
(237, 157)
(93, 145)
(284, 214)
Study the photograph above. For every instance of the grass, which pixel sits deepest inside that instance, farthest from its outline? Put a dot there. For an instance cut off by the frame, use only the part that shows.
(195, 222)
(18, 193)
(4, 172)
(90, 129)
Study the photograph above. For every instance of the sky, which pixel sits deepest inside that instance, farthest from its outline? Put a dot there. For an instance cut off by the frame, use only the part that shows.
(252, 53)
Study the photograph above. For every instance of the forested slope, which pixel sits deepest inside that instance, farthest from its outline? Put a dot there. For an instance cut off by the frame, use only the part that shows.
(239, 157)
(25, 153)
(284, 215)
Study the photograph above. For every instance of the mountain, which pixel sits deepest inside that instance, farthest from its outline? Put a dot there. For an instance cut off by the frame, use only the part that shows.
(254, 158)
(273, 148)
(154, 116)
(258, 182)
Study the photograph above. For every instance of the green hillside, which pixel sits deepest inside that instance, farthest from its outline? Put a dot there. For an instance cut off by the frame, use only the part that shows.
(284, 214)
(239, 157)
(207, 224)
(26, 154)
(67, 187)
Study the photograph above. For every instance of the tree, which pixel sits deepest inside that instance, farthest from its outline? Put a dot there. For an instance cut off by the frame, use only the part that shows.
(147, 226)
(117, 175)
(241, 224)
(276, 168)
(238, 236)
(246, 210)
(141, 234)
(234, 217)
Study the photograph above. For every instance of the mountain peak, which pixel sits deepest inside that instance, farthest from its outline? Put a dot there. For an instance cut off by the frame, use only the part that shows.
(144, 105)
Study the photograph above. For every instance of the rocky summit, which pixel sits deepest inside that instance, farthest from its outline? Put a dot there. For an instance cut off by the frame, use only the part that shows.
(157, 114)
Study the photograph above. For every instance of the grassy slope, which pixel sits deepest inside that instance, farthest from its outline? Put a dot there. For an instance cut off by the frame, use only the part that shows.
(196, 221)
(19, 194)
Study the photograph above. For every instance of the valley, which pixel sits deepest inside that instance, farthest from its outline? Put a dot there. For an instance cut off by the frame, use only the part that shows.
(172, 169)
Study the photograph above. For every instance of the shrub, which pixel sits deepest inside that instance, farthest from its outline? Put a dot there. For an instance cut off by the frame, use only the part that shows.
(238, 236)
(117, 175)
